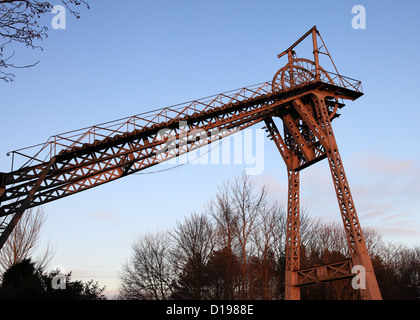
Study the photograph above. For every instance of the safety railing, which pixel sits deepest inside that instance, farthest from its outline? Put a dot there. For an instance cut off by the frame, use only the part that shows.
(342, 81)
(80, 138)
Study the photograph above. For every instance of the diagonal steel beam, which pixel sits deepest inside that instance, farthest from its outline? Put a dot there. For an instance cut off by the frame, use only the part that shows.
(8, 227)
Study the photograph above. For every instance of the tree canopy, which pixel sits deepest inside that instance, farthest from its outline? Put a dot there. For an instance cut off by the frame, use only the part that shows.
(24, 281)
(234, 249)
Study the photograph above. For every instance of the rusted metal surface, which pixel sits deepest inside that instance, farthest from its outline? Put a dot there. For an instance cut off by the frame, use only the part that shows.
(324, 273)
(302, 95)
(307, 138)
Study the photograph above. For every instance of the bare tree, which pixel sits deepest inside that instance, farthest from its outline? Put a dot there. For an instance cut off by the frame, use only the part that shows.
(269, 240)
(374, 243)
(225, 260)
(235, 250)
(247, 205)
(149, 274)
(24, 240)
(194, 242)
(221, 211)
(236, 209)
(20, 24)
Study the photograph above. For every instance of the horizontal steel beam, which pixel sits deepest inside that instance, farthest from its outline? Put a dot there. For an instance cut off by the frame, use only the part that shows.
(325, 273)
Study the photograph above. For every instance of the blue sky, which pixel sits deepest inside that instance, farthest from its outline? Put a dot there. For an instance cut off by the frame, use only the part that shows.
(127, 57)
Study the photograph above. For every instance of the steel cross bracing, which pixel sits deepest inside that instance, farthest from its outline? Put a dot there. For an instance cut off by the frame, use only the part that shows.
(302, 94)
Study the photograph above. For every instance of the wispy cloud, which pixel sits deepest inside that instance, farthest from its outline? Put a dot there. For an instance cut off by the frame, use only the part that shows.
(101, 215)
(386, 192)
(383, 165)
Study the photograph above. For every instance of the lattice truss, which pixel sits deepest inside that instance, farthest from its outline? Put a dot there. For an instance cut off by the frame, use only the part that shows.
(308, 138)
(78, 164)
(302, 95)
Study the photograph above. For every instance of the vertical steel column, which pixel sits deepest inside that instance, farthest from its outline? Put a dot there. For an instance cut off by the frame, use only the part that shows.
(316, 58)
(356, 242)
(292, 292)
(357, 245)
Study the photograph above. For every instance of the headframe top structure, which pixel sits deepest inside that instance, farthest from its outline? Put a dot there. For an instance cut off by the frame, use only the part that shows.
(301, 94)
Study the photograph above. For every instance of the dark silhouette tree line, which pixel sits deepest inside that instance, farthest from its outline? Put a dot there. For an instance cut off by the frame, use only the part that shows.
(234, 249)
(23, 277)
(25, 281)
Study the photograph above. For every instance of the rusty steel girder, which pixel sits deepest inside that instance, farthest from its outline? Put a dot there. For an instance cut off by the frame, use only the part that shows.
(308, 137)
(324, 273)
(302, 95)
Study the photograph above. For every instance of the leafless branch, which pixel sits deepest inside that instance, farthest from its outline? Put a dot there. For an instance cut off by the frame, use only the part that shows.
(20, 24)
(24, 240)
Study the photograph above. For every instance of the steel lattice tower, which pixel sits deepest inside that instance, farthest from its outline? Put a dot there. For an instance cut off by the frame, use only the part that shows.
(302, 95)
